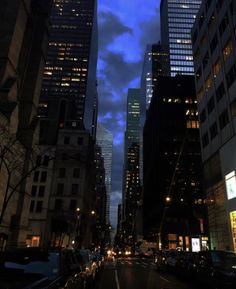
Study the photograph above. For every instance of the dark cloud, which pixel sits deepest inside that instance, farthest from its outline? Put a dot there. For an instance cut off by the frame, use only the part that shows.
(150, 30)
(110, 26)
(118, 71)
(123, 37)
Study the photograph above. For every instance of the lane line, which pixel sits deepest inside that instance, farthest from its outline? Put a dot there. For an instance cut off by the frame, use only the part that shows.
(164, 279)
(117, 280)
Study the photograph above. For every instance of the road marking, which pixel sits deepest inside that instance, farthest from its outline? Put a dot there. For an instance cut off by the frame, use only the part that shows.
(164, 279)
(117, 280)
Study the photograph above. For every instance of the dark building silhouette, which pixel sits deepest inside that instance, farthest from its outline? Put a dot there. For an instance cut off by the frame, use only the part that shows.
(23, 40)
(69, 93)
(173, 197)
(214, 51)
(68, 115)
(131, 181)
(99, 233)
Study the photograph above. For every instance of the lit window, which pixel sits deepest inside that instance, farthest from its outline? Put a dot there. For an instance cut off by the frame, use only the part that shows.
(216, 67)
(228, 49)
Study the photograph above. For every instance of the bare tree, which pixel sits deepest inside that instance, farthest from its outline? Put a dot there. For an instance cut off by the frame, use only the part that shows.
(13, 168)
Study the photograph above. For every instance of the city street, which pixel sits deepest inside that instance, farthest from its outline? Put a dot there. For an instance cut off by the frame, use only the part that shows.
(135, 273)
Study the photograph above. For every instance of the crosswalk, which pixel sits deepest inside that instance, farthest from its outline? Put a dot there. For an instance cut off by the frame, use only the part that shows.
(131, 262)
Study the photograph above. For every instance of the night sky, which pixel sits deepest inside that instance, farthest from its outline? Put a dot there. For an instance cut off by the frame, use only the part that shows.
(125, 28)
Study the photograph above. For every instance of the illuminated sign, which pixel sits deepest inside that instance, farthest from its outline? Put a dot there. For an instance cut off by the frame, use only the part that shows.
(230, 181)
(233, 227)
(196, 244)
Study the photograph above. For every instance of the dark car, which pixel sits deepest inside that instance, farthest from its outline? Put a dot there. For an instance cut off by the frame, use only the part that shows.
(185, 266)
(166, 260)
(32, 268)
(216, 269)
(89, 267)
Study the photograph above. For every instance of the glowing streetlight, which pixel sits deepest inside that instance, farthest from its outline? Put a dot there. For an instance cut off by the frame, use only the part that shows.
(168, 199)
(92, 212)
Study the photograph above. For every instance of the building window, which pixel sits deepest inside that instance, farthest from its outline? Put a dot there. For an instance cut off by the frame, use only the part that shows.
(228, 49)
(205, 140)
(66, 140)
(79, 140)
(32, 206)
(62, 173)
(231, 76)
(210, 105)
(199, 73)
(224, 23)
(41, 191)
(73, 205)
(203, 116)
(39, 207)
(208, 82)
(213, 130)
(192, 124)
(213, 43)
(60, 189)
(45, 161)
(217, 68)
(36, 176)
(200, 95)
(223, 119)
(205, 60)
(76, 173)
(43, 177)
(74, 189)
(219, 5)
(220, 91)
(33, 191)
(58, 204)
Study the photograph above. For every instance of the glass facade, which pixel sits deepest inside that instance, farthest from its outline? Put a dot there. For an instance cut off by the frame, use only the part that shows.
(105, 140)
(177, 18)
(67, 68)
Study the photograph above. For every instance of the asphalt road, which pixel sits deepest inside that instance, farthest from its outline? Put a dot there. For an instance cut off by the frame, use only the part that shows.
(135, 273)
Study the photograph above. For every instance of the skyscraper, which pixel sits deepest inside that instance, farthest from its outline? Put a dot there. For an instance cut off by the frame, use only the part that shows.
(177, 18)
(105, 140)
(131, 185)
(68, 111)
(214, 47)
(153, 65)
(23, 35)
(173, 196)
(69, 97)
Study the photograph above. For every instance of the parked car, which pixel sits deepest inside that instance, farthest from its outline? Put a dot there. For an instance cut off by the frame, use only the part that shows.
(166, 260)
(185, 266)
(216, 269)
(89, 267)
(99, 258)
(32, 268)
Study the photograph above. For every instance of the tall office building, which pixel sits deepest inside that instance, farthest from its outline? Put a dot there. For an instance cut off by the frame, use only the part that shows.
(105, 140)
(23, 35)
(177, 18)
(133, 117)
(214, 48)
(68, 110)
(173, 196)
(69, 97)
(131, 182)
(154, 63)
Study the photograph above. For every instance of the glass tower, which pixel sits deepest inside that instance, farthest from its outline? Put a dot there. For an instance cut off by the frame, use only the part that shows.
(177, 18)
(68, 97)
(105, 141)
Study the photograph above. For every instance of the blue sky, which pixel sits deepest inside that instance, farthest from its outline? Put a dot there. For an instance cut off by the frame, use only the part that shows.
(125, 28)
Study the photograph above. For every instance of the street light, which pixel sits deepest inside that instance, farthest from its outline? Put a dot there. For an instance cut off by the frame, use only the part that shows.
(92, 212)
(168, 199)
